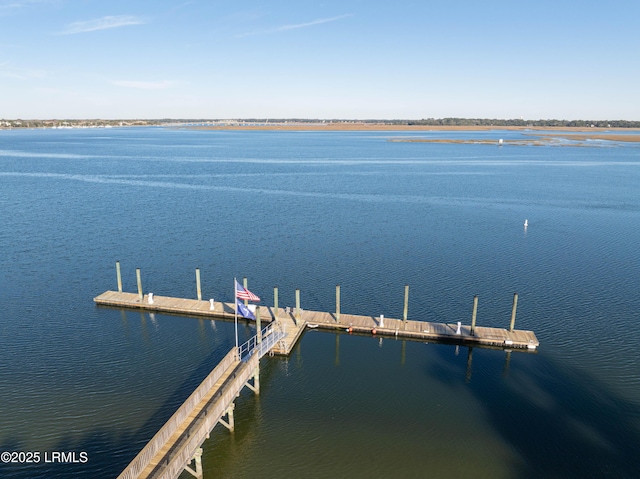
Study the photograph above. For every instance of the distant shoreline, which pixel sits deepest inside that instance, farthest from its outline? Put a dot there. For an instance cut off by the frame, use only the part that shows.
(385, 127)
(538, 135)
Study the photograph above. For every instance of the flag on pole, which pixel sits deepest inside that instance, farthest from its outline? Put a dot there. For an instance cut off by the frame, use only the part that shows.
(242, 293)
(243, 310)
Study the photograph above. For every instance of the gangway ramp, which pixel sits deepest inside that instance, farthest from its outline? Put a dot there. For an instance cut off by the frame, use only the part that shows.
(179, 441)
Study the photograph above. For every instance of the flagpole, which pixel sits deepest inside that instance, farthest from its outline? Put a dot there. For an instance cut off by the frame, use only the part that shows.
(235, 308)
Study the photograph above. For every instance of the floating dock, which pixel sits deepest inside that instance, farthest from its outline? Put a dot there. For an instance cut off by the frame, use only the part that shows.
(295, 320)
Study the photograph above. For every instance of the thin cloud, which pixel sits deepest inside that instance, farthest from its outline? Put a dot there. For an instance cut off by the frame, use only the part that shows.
(144, 85)
(7, 7)
(8, 70)
(296, 26)
(104, 23)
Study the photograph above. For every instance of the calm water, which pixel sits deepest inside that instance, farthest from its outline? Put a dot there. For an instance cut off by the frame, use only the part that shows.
(311, 210)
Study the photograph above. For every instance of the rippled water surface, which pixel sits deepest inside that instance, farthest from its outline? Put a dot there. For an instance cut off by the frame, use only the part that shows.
(309, 210)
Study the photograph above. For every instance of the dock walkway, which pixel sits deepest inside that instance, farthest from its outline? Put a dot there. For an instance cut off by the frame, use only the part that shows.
(294, 324)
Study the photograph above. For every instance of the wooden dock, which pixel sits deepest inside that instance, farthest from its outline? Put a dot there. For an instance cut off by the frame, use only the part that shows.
(294, 326)
(179, 441)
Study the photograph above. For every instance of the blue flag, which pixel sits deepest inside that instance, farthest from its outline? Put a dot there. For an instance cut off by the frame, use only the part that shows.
(243, 310)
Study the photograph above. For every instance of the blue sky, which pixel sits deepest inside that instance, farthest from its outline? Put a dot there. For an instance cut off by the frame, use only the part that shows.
(329, 59)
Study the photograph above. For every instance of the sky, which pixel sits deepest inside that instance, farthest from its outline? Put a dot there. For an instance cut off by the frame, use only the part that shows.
(334, 59)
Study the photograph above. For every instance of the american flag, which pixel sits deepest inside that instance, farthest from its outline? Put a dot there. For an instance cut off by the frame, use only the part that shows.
(242, 293)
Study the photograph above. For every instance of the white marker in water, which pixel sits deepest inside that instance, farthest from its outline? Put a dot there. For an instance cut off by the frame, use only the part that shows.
(526, 223)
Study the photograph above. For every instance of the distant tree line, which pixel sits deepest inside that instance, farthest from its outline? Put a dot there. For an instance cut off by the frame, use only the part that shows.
(458, 122)
(18, 123)
(525, 123)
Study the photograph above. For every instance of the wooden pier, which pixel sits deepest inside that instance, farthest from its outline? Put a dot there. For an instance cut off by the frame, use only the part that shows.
(178, 443)
(295, 323)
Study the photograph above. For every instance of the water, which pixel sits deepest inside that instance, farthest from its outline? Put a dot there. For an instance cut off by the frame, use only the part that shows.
(311, 210)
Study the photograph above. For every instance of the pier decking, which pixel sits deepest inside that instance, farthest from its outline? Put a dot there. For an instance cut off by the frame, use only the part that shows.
(295, 325)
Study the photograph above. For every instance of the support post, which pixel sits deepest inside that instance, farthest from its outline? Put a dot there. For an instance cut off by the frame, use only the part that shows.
(337, 303)
(258, 326)
(513, 311)
(473, 315)
(255, 387)
(406, 304)
(139, 280)
(297, 304)
(244, 283)
(198, 289)
(119, 276)
(275, 302)
(198, 458)
(230, 422)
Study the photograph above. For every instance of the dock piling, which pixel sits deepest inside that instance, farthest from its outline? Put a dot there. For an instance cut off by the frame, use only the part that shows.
(139, 280)
(258, 327)
(337, 303)
(275, 302)
(244, 283)
(406, 304)
(473, 315)
(198, 289)
(297, 304)
(119, 276)
(513, 312)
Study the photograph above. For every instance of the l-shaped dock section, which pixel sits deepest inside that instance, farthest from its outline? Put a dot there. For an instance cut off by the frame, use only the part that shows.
(295, 320)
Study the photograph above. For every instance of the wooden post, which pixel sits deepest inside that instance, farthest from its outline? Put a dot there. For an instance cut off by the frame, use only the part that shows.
(230, 422)
(337, 303)
(275, 302)
(513, 311)
(198, 289)
(406, 303)
(473, 315)
(119, 276)
(139, 283)
(198, 459)
(258, 326)
(244, 283)
(297, 303)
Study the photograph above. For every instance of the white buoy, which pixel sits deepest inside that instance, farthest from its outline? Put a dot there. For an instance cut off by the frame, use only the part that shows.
(458, 330)
(500, 142)
(382, 320)
(150, 298)
(211, 306)
(526, 223)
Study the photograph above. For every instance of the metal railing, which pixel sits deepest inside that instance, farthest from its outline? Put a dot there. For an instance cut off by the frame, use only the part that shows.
(271, 334)
(184, 455)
